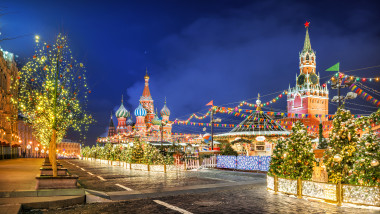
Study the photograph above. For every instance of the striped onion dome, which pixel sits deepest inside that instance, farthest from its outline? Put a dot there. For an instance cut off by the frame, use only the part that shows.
(165, 111)
(140, 111)
(129, 122)
(156, 120)
(122, 112)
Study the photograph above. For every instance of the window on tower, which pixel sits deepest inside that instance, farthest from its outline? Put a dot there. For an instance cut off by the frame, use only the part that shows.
(307, 57)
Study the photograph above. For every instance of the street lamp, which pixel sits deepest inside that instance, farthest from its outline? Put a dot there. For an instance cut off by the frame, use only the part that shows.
(36, 151)
(338, 83)
(339, 99)
(28, 147)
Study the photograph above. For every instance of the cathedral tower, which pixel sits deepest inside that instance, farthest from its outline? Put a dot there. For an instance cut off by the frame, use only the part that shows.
(121, 114)
(308, 96)
(111, 128)
(165, 113)
(147, 101)
(140, 114)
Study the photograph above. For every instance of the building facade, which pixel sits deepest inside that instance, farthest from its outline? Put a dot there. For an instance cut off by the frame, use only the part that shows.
(69, 149)
(28, 142)
(9, 139)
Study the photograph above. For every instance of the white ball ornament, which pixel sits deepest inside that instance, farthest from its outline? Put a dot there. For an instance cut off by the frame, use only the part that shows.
(374, 163)
(337, 158)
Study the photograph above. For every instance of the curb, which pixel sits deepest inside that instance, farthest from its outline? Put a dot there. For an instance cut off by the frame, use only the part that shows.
(54, 204)
(43, 193)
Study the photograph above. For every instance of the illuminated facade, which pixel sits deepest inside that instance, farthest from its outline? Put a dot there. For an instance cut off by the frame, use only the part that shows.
(148, 125)
(9, 139)
(69, 148)
(308, 96)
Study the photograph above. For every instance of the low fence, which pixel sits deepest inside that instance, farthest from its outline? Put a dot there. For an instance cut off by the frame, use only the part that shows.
(332, 193)
(251, 163)
(196, 164)
(136, 166)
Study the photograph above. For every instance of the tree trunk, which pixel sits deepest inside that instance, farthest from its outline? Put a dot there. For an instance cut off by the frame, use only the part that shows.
(53, 152)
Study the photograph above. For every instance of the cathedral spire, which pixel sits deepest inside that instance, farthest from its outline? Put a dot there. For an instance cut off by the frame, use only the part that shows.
(146, 92)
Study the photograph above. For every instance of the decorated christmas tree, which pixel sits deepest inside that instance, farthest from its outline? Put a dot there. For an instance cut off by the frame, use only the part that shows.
(340, 154)
(299, 158)
(151, 154)
(277, 159)
(137, 152)
(366, 169)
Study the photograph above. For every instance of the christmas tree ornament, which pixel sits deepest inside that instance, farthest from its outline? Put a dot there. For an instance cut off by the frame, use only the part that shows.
(337, 158)
(374, 163)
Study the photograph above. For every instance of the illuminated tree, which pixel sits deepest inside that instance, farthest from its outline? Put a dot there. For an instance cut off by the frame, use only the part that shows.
(366, 169)
(340, 153)
(299, 157)
(277, 159)
(53, 94)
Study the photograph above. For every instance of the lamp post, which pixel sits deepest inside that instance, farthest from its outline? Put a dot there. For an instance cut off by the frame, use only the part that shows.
(338, 159)
(36, 151)
(218, 120)
(338, 83)
(162, 124)
(29, 147)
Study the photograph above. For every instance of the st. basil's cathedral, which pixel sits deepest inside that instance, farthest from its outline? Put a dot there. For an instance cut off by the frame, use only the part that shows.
(148, 126)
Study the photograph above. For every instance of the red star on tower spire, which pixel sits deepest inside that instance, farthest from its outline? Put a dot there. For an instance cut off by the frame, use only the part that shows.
(307, 24)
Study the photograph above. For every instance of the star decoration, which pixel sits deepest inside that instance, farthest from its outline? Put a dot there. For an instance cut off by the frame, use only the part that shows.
(307, 24)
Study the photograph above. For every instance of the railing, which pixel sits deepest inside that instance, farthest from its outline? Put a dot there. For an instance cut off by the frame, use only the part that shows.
(196, 164)
(332, 193)
(209, 162)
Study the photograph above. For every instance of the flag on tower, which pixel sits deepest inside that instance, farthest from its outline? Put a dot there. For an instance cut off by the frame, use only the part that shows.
(334, 67)
(211, 103)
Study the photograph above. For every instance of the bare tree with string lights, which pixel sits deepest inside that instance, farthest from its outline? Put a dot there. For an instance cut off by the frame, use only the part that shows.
(53, 94)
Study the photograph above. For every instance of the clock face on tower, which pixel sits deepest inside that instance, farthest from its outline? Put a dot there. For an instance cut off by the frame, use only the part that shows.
(314, 79)
(301, 79)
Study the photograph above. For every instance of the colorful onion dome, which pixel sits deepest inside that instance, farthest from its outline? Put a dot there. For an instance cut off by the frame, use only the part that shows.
(129, 122)
(122, 112)
(156, 120)
(140, 111)
(165, 110)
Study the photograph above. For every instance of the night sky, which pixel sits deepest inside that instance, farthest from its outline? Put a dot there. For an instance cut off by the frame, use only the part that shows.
(197, 51)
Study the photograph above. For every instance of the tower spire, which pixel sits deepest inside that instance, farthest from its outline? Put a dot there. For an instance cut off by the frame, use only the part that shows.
(306, 44)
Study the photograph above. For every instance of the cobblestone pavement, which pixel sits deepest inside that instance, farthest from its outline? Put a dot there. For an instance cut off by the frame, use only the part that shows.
(142, 180)
(251, 198)
(254, 199)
